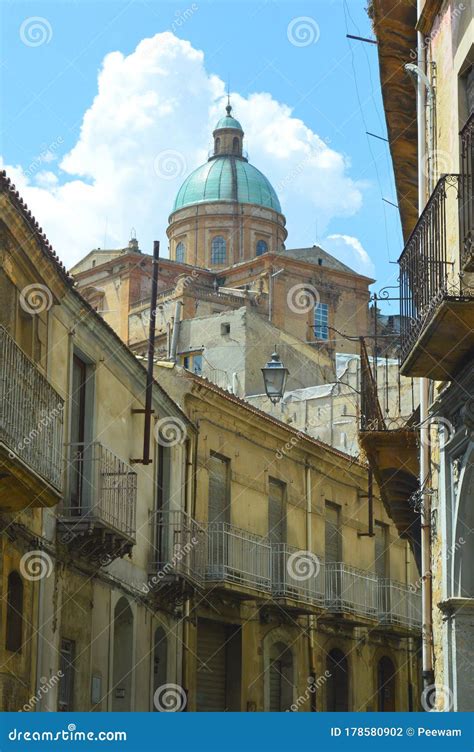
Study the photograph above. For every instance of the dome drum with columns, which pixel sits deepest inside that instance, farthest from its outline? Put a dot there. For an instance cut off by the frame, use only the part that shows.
(226, 211)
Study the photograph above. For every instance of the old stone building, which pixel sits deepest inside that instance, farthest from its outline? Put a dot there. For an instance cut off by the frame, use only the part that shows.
(430, 121)
(80, 626)
(298, 607)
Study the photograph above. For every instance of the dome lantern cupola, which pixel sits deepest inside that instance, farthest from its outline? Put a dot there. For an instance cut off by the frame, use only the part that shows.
(228, 136)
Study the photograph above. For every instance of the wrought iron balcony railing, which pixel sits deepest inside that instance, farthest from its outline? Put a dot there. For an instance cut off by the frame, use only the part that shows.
(237, 556)
(371, 417)
(180, 548)
(466, 196)
(296, 575)
(31, 414)
(351, 590)
(398, 604)
(102, 490)
(428, 273)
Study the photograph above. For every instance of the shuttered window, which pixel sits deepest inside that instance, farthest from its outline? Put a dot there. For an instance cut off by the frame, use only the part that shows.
(276, 512)
(337, 686)
(66, 682)
(219, 489)
(219, 667)
(381, 549)
(333, 541)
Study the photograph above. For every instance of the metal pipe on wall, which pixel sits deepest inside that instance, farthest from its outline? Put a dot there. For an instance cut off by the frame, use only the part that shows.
(427, 657)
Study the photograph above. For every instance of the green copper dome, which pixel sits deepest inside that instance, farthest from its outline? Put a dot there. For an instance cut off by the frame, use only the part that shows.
(228, 122)
(227, 178)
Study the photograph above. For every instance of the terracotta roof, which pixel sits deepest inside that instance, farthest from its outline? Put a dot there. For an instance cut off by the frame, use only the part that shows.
(6, 186)
(201, 381)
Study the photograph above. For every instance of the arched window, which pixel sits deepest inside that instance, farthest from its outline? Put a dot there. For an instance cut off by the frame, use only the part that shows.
(337, 686)
(218, 250)
(217, 145)
(386, 685)
(235, 146)
(180, 252)
(160, 659)
(281, 678)
(122, 656)
(14, 632)
(262, 247)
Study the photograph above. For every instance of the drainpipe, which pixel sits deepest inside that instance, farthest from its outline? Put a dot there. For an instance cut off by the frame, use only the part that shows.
(427, 657)
(311, 622)
(174, 338)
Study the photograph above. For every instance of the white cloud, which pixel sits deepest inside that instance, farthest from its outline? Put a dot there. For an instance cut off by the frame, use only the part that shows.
(160, 102)
(350, 251)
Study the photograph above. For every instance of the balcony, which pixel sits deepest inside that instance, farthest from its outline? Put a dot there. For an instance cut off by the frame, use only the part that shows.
(466, 210)
(350, 591)
(398, 605)
(392, 456)
(180, 554)
(238, 558)
(98, 519)
(289, 581)
(436, 299)
(31, 430)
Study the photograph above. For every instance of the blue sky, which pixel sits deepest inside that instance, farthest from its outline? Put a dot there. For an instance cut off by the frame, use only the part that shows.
(331, 84)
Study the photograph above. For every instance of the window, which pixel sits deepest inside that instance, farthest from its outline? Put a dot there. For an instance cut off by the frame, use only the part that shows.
(276, 512)
(14, 632)
(180, 252)
(66, 682)
(225, 329)
(386, 685)
(235, 146)
(197, 365)
(332, 534)
(219, 489)
(80, 425)
(218, 250)
(193, 363)
(218, 145)
(381, 549)
(262, 247)
(337, 686)
(321, 321)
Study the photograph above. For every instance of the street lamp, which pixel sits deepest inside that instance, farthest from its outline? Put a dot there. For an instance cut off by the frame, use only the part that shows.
(274, 378)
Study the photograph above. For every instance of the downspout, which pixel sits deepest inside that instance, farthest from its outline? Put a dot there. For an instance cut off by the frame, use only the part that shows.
(426, 635)
(174, 338)
(311, 625)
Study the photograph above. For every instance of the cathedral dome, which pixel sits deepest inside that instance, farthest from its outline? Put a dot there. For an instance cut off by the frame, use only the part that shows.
(227, 178)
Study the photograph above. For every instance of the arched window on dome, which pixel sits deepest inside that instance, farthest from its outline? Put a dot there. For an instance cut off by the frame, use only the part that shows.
(180, 252)
(235, 145)
(217, 147)
(262, 247)
(218, 250)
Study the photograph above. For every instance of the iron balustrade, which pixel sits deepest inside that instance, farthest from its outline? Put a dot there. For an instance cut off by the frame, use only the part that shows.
(398, 604)
(238, 556)
(371, 417)
(242, 558)
(298, 577)
(466, 195)
(350, 590)
(429, 271)
(180, 546)
(102, 488)
(31, 413)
